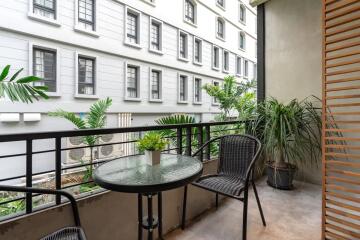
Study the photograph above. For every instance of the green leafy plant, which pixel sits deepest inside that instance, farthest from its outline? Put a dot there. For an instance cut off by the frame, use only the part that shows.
(96, 118)
(228, 93)
(246, 106)
(20, 89)
(152, 141)
(290, 132)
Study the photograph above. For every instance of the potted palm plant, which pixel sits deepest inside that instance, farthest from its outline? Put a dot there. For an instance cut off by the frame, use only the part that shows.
(152, 144)
(291, 135)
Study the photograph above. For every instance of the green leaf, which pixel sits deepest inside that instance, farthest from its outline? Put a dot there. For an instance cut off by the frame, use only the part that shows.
(28, 79)
(16, 74)
(4, 73)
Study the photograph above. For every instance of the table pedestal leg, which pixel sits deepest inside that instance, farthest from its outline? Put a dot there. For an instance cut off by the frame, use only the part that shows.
(149, 222)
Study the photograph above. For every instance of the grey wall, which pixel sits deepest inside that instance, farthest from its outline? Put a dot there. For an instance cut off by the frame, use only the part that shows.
(293, 54)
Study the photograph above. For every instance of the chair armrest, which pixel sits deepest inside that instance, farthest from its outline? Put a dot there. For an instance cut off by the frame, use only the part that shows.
(47, 191)
(206, 144)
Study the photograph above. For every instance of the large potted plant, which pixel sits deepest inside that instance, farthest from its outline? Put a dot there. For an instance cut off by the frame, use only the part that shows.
(290, 134)
(152, 144)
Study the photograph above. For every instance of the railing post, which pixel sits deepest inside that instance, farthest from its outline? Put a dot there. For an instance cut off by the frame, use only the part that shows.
(28, 196)
(207, 138)
(200, 142)
(58, 168)
(179, 140)
(188, 141)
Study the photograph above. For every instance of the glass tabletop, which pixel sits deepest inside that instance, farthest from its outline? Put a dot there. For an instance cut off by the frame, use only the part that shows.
(132, 174)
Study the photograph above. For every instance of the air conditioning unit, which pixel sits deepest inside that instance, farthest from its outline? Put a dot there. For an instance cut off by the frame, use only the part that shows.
(75, 156)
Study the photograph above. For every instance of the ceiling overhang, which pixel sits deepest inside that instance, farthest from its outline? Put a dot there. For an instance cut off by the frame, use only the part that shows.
(254, 3)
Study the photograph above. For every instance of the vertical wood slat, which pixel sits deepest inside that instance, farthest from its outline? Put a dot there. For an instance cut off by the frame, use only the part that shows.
(340, 152)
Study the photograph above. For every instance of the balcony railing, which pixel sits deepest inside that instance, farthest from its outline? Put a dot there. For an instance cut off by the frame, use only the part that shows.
(183, 138)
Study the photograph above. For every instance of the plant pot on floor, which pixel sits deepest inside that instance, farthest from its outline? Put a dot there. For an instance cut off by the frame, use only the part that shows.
(152, 157)
(280, 177)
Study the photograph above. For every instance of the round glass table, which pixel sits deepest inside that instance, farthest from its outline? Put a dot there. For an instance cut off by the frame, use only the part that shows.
(132, 175)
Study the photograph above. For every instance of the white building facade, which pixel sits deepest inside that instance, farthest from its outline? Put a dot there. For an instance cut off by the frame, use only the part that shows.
(150, 56)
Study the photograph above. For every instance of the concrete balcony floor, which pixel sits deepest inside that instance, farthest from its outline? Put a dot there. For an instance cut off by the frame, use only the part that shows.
(290, 215)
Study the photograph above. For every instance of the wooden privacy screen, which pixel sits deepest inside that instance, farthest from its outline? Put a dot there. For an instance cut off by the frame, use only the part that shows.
(341, 121)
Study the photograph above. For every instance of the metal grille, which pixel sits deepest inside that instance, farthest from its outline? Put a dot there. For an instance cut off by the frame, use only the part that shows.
(216, 57)
(197, 90)
(183, 92)
(183, 46)
(87, 14)
(44, 67)
(155, 84)
(197, 50)
(132, 82)
(155, 36)
(86, 81)
(44, 8)
(131, 28)
(341, 119)
(189, 11)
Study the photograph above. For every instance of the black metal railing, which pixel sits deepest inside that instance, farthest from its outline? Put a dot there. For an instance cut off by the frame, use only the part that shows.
(186, 138)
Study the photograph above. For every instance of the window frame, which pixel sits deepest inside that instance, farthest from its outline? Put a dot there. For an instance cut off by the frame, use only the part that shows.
(55, 22)
(95, 59)
(138, 82)
(217, 68)
(200, 53)
(246, 68)
(242, 33)
(79, 28)
(33, 45)
(237, 73)
(226, 61)
(194, 24)
(223, 7)
(160, 23)
(186, 101)
(151, 99)
(186, 59)
(213, 99)
(138, 30)
(217, 19)
(200, 91)
(242, 6)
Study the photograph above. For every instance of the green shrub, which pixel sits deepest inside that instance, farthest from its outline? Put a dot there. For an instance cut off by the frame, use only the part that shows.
(152, 141)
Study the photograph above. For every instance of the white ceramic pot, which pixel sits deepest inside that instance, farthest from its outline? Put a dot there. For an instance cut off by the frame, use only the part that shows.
(152, 157)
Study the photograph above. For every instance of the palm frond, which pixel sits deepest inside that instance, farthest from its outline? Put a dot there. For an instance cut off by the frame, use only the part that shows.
(97, 116)
(77, 121)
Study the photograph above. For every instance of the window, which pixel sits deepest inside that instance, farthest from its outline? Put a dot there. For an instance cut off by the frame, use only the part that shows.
(86, 76)
(220, 3)
(132, 82)
(225, 61)
(155, 35)
(190, 11)
(183, 46)
(155, 85)
(214, 99)
(45, 67)
(238, 66)
(242, 40)
(255, 71)
(86, 14)
(220, 28)
(242, 13)
(183, 89)
(132, 27)
(215, 60)
(197, 90)
(45, 8)
(197, 50)
(246, 68)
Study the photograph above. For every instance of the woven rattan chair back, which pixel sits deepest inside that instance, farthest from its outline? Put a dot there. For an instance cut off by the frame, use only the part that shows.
(236, 154)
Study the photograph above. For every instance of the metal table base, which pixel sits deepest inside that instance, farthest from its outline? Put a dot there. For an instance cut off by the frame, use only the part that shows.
(149, 223)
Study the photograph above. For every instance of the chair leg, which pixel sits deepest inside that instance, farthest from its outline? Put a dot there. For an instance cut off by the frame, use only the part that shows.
(217, 201)
(184, 209)
(259, 204)
(245, 211)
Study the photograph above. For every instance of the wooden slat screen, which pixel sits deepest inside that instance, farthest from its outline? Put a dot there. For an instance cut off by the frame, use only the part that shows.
(341, 121)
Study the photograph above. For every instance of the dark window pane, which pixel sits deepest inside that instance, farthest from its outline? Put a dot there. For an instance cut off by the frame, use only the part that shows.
(44, 8)
(132, 28)
(44, 67)
(86, 81)
(155, 84)
(86, 12)
(132, 82)
(155, 36)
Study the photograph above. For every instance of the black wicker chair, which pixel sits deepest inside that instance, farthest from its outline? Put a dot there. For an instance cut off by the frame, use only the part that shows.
(67, 233)
(237, 156)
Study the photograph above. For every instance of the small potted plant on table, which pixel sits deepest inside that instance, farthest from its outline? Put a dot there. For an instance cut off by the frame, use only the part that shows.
(152, 144)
